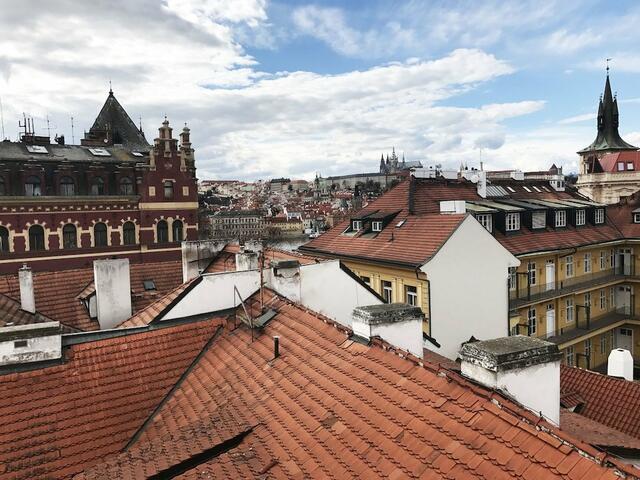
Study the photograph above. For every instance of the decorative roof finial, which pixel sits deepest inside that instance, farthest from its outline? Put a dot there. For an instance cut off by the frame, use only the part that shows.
(608, 60)
(110, 88)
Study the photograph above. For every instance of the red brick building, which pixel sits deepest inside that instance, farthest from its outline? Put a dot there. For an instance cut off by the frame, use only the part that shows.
(63, 206)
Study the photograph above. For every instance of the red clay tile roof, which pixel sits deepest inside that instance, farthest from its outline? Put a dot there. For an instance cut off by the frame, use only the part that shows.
(56, 421)
(329, 407)
(421, 235)
(611, 401)
(58, 293)
(225, 261)
(609, 162)
(621, 215)
(595, 433)
(11, 312)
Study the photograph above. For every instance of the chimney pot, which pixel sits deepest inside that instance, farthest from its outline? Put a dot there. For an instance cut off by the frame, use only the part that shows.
(525, 368)
(276, 346)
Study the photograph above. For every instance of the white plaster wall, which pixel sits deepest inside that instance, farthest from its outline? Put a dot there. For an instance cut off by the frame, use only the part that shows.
(405, 335)
(27, 295)
(37, 349)
(536, 388)
(113, 291)
(196, 254)
(327, 289)
(468, 279)
(216, 292)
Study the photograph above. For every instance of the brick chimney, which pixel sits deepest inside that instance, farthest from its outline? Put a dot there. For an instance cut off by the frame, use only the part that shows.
(27, 295)
(113, 291)
(397, 323)
(525, 368)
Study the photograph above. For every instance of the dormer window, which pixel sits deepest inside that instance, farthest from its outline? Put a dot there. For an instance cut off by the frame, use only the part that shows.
(538, 220)
(486, 221)
(356, 225)
(599, 216)
(512, 222)
(376, 226)
(621, 166)
(580, 217)
(629, 165)
(561, 218)
(636, 218)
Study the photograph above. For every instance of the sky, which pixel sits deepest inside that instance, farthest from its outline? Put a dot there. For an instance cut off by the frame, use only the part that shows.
(292, 88)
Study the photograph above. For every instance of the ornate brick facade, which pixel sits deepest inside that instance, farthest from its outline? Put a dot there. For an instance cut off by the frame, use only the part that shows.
(63, 206)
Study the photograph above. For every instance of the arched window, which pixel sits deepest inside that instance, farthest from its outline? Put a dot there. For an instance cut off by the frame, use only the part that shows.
(4, 239)
(36, 238)
(3, 189)
(129, 233)
(32, 187)
(69, 236)
(100, 235)
(168, 189)
(177, 231)
(97, 186)
(126, 186)
(163, 231)
(67, 186)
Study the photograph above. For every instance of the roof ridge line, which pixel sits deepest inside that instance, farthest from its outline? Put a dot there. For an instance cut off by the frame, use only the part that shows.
(174, 388)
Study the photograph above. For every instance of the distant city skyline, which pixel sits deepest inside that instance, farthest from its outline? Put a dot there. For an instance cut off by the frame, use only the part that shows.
(290, 88)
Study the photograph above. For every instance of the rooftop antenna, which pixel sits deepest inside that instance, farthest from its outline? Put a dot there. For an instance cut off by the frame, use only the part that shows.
(48, 127)
(73, 138)
(2, 119)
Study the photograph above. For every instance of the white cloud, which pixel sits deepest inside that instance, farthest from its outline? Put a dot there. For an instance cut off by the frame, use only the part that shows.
(564, 42)
(578, 118)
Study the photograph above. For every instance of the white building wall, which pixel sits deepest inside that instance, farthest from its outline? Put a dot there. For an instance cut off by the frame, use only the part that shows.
(468, 288)
(113, 291)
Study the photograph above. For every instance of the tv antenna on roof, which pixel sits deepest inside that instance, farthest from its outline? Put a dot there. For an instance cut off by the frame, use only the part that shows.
(73, 138)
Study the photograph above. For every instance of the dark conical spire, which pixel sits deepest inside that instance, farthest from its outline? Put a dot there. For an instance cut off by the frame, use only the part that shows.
(608, 138)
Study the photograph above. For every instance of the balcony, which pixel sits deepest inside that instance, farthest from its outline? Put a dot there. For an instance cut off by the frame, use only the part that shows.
(585, 325)
(528, 294)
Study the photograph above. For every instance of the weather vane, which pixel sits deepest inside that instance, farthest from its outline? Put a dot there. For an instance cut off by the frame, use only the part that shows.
(608, 60)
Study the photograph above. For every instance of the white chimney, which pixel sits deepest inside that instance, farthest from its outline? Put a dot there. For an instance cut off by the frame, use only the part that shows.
(196, 255)
(34, 342)
(285, 279)
(113, 291)
(453, 206)
(397, 323)
(525, 368)
(27, 295)
(620, 364)
(246, 260)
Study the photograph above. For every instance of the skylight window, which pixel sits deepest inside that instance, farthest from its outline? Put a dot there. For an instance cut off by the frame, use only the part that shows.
(37, 149)
(537, 189)
(400, 223)
(137, 154)
(99, 152)
(526, 188)
(149, 285)
(511, 189)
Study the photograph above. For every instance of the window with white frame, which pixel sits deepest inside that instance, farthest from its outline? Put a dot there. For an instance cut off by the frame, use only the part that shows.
(356, 225)
(603, 299)
(603, 260)
(538, 220)
(485, 220)
(587, 347)
(512, 278)
(599, 215)
(621, 166)
(376, 226)
(629, 165)
(587, 262)
(636, 218)
(612, 297)
(569, 266)
(580, 217)
(512, 222)
(561, 218)
(569, 357)
(612, 258)
(587, 299)
(603, 344)
(531, 321)
(411, 294)
(531, 271)
(569, 310)
(387, 291)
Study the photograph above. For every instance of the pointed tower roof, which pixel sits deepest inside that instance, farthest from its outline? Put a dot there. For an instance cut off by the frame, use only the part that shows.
(608, 138)
(114, 118)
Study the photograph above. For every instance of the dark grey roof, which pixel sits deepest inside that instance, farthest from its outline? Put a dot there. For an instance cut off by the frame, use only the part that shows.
(17, 151)
(113, 117)
(608, 137)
